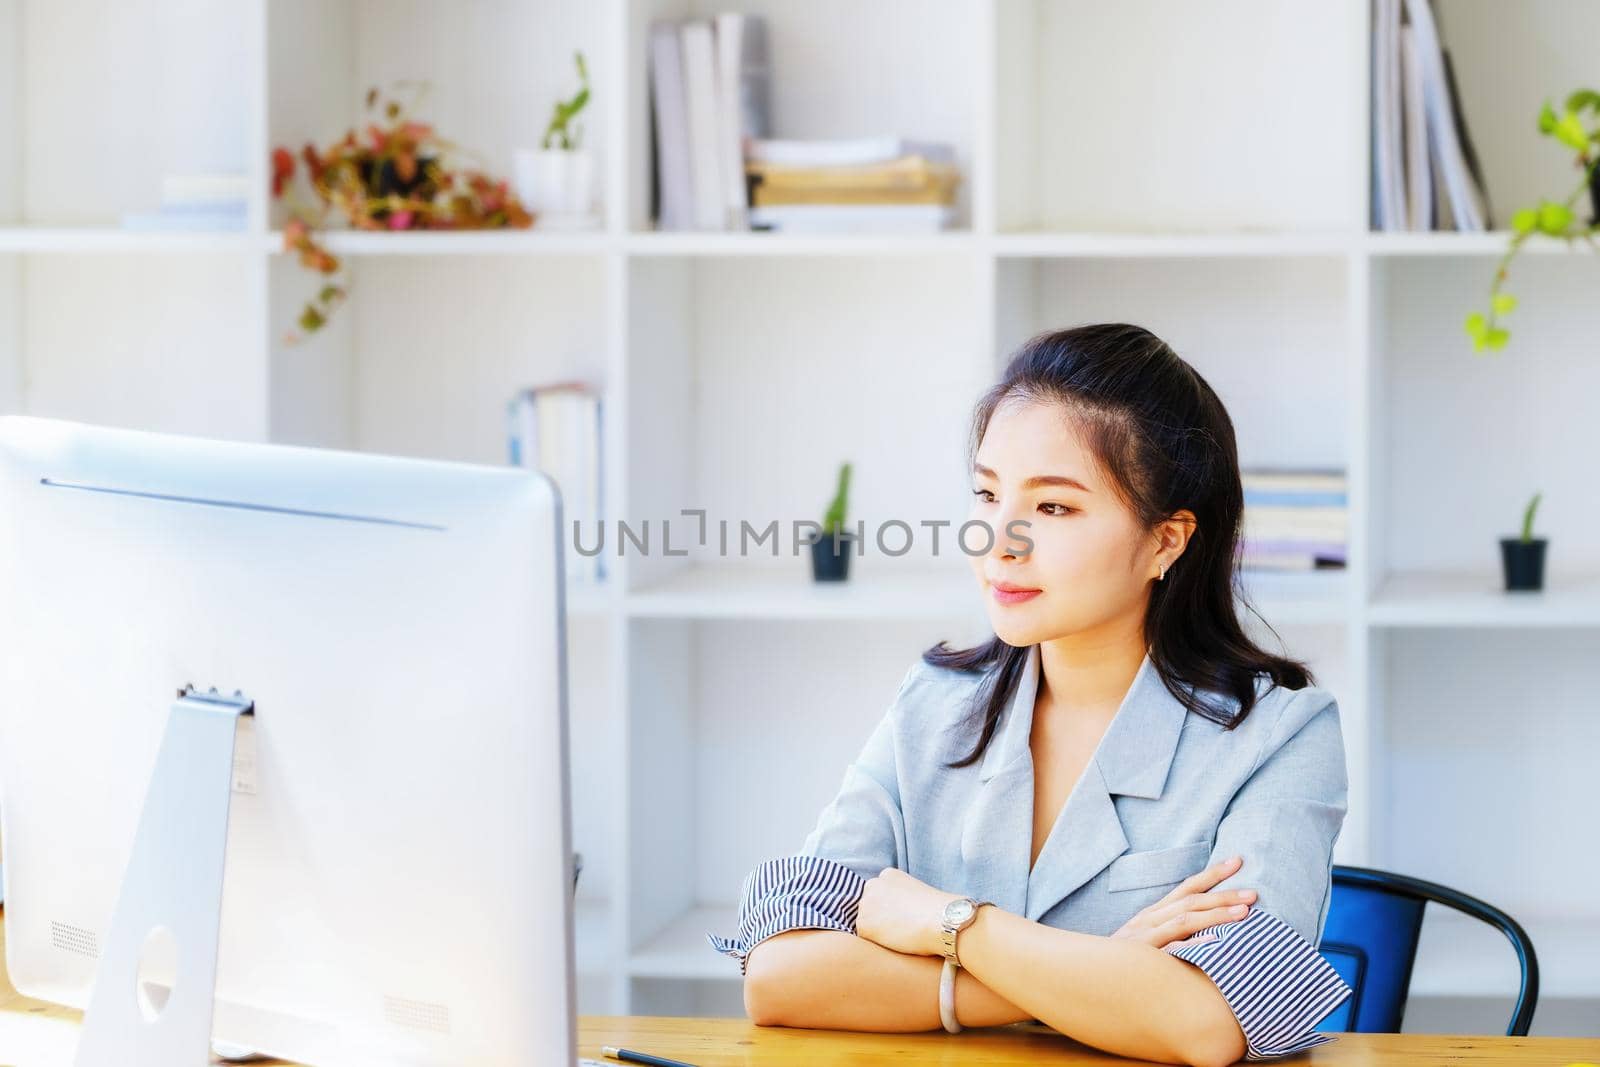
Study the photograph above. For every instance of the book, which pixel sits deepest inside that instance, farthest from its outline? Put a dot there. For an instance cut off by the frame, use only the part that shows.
(204, 188)
(852, 218)
(1308, 479)
(558, 428)
(742, 109)
(1466, 201)
(847, 151)
(1419, 176)
(672, 192)
(1388, 183)
(936, 193)
(700, 82)
(905, 172)
(1470, 154)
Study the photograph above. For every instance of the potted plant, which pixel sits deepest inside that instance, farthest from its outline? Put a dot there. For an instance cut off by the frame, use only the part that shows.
(830, 551)
(556, 180)
(1548, 217)
(397, 175)
(1523, 557)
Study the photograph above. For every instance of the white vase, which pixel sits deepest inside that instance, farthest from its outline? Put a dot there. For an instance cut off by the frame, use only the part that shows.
(556, 184)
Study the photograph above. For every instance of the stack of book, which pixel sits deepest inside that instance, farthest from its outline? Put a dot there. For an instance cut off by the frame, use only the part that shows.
(204, 202)
(1425, 174)
(708, 97)
(877, 184)
(1294, 520)
(557, 428)
(716, 166)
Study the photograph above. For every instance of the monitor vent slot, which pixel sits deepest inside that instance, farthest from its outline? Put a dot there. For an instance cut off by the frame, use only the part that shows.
(416, 1014)
(75, 939)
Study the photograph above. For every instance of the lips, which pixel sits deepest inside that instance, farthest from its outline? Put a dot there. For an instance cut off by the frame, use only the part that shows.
(1006, 593)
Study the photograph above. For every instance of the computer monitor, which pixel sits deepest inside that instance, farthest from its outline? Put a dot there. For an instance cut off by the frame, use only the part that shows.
(398, 886)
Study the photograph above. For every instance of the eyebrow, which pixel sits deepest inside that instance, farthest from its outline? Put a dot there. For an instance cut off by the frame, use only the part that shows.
(1039, 480)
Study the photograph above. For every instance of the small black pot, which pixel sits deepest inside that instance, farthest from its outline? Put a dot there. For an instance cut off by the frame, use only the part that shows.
(1523, 562)
(828, 565)
(1594, 197)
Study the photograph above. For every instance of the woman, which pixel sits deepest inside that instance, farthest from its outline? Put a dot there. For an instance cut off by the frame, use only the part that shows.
(1116, 817)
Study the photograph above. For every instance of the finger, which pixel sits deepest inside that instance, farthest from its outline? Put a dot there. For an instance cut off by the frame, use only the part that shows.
(1189, 922)
(1202, 901)
(1204, 879)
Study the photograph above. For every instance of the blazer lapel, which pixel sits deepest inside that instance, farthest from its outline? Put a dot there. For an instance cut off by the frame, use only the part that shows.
(997, 828)
(1131, 759)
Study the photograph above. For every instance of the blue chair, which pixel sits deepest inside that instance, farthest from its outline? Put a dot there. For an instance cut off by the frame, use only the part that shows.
(1370, 937)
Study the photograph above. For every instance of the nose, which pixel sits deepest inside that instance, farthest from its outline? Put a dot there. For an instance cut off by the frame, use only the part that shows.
(1007, 546)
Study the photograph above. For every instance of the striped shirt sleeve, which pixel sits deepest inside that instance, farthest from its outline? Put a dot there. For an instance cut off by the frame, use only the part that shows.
(793, 893)
(1275, 981)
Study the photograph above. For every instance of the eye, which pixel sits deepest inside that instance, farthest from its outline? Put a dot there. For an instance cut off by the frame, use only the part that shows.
(1064, 509)
(981, 493)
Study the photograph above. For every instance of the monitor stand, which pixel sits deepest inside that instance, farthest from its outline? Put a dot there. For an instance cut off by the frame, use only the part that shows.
(171, 898)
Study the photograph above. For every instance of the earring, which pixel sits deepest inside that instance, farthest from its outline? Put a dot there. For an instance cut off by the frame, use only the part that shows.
(1163, 576)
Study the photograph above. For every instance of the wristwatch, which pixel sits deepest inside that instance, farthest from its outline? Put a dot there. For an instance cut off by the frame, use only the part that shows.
(958, 915)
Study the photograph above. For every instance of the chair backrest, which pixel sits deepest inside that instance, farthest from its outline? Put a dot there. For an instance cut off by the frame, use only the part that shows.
(1374, 921)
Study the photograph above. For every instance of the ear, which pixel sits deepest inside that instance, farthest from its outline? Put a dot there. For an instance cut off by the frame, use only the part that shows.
(1172, 535)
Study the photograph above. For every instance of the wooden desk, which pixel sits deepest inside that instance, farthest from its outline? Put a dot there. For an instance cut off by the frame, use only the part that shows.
(32, 1032)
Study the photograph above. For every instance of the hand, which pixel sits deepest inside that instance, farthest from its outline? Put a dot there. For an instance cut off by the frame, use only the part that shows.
(1189, 908)
(901, 913)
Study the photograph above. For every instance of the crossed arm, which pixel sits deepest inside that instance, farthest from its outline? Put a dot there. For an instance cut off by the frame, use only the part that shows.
(826, 947)
(1099, 990)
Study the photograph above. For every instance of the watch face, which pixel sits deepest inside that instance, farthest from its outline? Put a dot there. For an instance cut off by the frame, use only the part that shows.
(958, 911)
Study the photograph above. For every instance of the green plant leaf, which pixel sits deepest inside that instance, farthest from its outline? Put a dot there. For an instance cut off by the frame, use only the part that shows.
(311, 319)
(1497, 337)
(1503, 303)
(1526, 220)
(1570, 132)
(1554, 218)
(1547, 118)
(1476, 325)
(1584, 98)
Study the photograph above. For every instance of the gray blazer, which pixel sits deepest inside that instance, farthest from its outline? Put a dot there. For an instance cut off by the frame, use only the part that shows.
(1165, 794)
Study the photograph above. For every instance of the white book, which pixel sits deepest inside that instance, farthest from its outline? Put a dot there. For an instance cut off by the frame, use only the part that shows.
(1419, 178)
(558, 429)
(705, 165)
(675, 210)
(853, 218)
(741, 104)
(1388, 177)
(846, 152)
(1309, 481)
(182, 189)
(1465, 202)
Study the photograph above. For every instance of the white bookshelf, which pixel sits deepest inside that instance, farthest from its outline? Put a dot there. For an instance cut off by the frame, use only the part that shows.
(1202, 172)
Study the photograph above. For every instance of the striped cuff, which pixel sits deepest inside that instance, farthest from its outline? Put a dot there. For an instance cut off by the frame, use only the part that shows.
(793, 893)
(1276, 983)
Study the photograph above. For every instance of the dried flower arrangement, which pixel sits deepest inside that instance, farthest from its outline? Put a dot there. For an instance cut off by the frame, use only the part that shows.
(396, 177)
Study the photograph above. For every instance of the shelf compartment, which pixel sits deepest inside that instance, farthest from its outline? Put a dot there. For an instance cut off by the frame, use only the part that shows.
(1463, 439)
(1454, 599)
(494, 68)
(149, 341)
(388, 374)
(156, 87)
(1164, 131)
(838, 69)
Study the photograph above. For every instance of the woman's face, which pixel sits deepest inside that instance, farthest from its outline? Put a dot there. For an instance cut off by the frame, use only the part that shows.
(1090, 563)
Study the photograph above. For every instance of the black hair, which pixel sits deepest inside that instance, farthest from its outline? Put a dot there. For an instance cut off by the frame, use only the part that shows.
(1165, 442)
